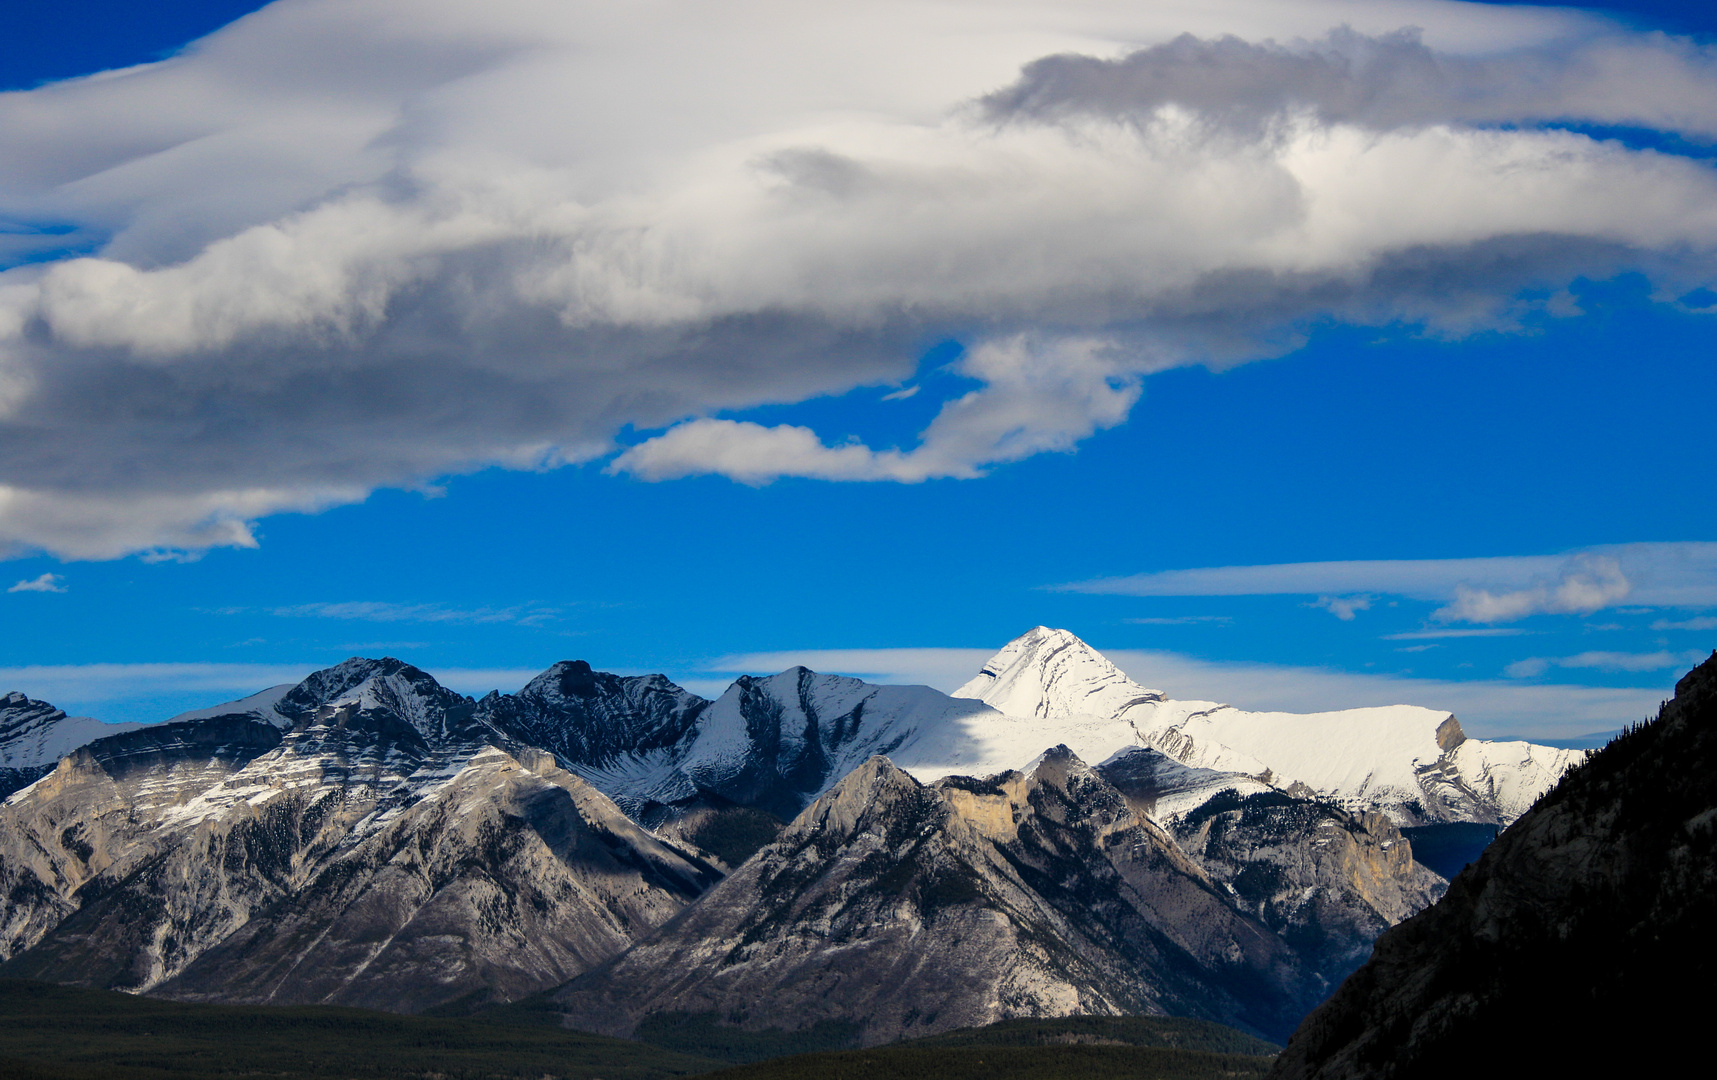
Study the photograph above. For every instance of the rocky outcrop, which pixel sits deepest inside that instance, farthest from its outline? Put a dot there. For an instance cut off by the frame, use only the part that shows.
(1585, 933)
(511, 877)
(1329, 882)
(594, 719)
(907, 909)
(389, 848)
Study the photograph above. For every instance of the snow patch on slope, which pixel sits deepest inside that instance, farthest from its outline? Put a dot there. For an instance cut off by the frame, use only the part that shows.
(34, 734)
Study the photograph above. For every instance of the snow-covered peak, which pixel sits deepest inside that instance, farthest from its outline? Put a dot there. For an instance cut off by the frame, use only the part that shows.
(34, 734)
(1052, 675)
(386, 685)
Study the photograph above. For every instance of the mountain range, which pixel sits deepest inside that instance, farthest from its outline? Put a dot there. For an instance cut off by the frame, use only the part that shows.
(1052, 838)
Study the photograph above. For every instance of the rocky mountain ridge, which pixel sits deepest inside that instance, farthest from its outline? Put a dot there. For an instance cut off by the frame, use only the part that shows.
(387, 848)
(1414, 764)
(369, 837)
(907, 909)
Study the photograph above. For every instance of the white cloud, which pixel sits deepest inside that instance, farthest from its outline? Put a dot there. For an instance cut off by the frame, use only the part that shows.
(1485, 707)
(381, 611)
(1706, 622)
(345, 244)
(45, 583)
(1587, 584)
(1343, 607)
(61, 683)
(1534, 666)
(1038, 396)
(1485, 590)
(91, 686)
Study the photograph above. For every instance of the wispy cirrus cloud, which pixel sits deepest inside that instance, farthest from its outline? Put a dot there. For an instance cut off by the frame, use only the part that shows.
(384, 612)
(1478, 590)
(1663, 659)
(1344, 608)
(1704, 622)
(132, 689)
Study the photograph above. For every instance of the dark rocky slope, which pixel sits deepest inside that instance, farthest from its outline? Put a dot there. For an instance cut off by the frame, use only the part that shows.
(1586, 933)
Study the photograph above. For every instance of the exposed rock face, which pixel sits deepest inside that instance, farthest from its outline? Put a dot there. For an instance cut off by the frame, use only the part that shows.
(34, 735)
(368, 836)
(912, 909)
(1588, 928)
(388, 849)
(1329, 882)
(594, 719)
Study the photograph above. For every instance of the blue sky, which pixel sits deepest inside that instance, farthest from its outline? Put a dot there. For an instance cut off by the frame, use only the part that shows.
(1518, 398)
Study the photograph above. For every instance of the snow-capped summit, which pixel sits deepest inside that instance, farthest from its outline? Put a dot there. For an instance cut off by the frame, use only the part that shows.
(1413, 763)
(1053, 675)
(386, 686)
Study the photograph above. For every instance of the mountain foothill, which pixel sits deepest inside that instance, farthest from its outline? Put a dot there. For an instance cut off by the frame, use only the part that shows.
(805, 852)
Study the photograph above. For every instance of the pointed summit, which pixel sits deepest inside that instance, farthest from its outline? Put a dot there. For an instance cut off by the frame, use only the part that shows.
(1052, 675)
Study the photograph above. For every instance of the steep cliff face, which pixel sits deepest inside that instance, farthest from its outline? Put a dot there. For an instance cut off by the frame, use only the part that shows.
(1587, 931)
(907, 909)
(512, 876)
(388, 848)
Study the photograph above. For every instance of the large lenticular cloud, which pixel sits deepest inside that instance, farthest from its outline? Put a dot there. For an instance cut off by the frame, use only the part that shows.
(346, 244)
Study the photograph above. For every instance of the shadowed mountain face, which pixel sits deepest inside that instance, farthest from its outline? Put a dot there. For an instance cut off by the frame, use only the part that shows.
(908, 909)
(1587, 931)
(387, 848)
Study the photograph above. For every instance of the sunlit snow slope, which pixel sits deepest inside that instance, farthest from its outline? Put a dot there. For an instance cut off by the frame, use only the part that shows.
(1415, 764)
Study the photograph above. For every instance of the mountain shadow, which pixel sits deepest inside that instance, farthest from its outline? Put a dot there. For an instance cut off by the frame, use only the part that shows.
(1586, 932)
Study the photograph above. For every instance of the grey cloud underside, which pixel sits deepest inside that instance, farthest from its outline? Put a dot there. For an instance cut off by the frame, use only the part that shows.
(1384, 82)
(434, 387)
(425, 392)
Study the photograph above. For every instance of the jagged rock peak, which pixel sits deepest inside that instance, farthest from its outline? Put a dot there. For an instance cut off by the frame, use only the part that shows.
(591, 718)
(873, 790)
(576, 679)
(1053, 675)
(19, 713)
(385, 685)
